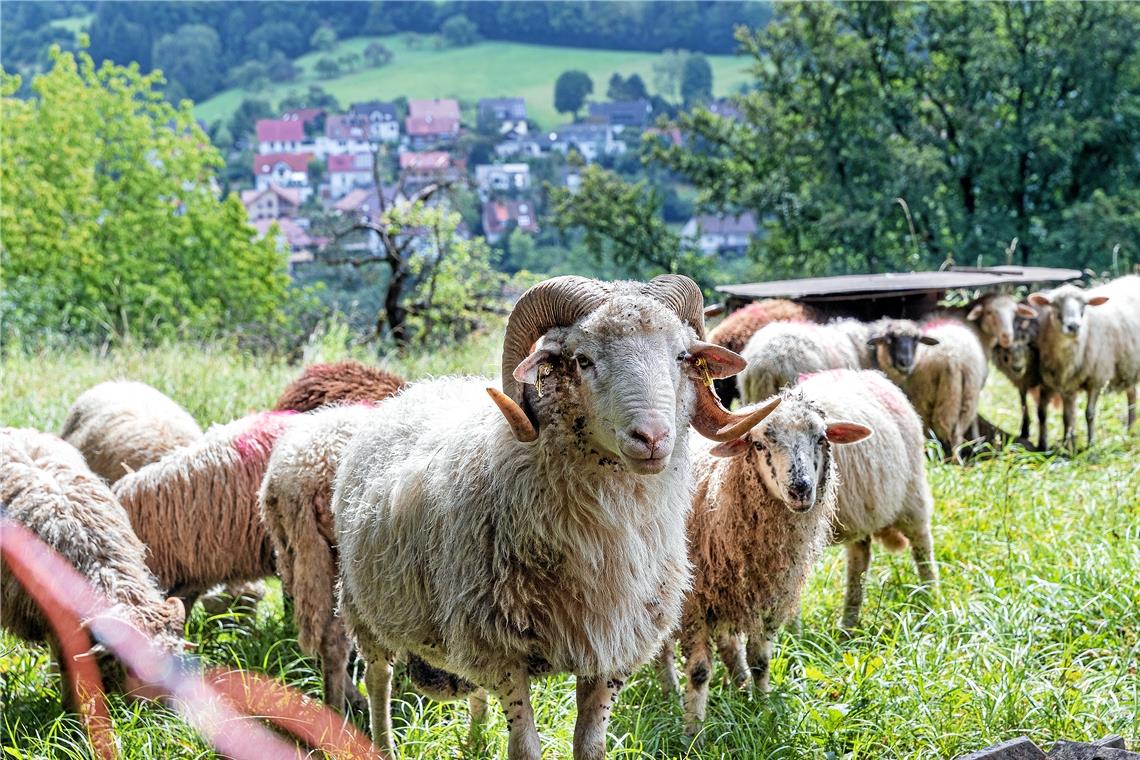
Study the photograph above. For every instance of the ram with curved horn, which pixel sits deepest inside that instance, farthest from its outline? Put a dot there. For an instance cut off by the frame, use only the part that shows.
(543, 533)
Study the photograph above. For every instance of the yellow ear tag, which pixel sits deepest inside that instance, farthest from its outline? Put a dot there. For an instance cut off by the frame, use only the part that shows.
(703, 366)
(544, 370)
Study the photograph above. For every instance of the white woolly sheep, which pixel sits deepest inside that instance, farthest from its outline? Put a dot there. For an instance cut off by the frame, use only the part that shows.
(549, 541)
(296, 506)
(782, 351)
(941, 366)
(761, 517)
(196, 508)
(46, 487)
(120, 426)
(993, 319)
(1090, 349)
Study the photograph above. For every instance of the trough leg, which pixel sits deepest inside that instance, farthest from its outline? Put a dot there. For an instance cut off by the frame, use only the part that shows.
(596, 699)
(858, 560)
(1090, 413)
(698, 669)
(667, 669)
(514, 693)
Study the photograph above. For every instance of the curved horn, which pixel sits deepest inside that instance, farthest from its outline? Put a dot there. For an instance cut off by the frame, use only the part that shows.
(521, 425)
(556, 302)
(683, 296)
(716, 423)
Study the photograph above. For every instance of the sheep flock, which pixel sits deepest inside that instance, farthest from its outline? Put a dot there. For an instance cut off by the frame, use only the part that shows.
(596, 508)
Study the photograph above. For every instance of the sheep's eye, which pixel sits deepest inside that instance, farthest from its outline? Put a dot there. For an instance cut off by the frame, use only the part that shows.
(584, 362)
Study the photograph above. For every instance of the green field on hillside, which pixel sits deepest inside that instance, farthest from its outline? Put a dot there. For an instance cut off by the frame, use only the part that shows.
(1035, 630)
(485, 70)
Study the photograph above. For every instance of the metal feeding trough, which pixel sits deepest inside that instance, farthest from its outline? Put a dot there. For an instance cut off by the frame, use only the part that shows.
(903, 294)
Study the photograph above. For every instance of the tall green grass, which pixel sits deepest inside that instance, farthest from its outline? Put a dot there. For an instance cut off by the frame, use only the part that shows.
(1036, 629)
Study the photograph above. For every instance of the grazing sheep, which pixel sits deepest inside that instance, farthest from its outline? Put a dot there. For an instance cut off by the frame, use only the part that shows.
(941, 366)
(1020, 362)
(348, 382)
(46, 487)
(782, 351)
(544, 533)
(1090, 349)
(120, 426)
(295, 504)
(762, 512)
(735, 330)
(196, 508)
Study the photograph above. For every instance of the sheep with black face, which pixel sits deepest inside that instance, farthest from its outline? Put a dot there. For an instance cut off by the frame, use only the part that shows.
(543, 533)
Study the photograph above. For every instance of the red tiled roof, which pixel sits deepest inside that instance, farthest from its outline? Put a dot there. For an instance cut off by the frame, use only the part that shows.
(303, 115)
(497, 214)
(294, 234)
(431, 125)
(289, 195)
(437, 108)
(426, 161)
(345, 162)
(272, 130)
(298, 162)
(345, 127)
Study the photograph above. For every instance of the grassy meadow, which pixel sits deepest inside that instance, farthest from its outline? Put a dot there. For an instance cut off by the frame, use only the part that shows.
(484, 70)
(1036, 629)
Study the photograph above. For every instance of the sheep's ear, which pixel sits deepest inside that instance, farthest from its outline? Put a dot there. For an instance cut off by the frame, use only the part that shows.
(1039, 299)
(1097, 300)
(1026, 311)
(718, 360)
(527, 371)
(975, 313)
(878, 339)
(927, 340)
(731, 448)
(847, 432)
(175, 611)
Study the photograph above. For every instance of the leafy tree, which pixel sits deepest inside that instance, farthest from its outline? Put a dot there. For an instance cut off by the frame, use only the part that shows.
(459, 31)
(696, 80)
(324, 39)
(667, 72)
(110, 224)
(626, 89)
(245, 117)
(281, 68)
(327, 68)
(315, 97)
(378, 54)
(349, 62)
(622, 223)
(119, 39)
(191, 58)
(278, 35)
(570, 91)
(251, 75)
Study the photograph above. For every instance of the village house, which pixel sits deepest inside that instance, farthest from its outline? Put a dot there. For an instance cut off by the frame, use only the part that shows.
(520, 147)
(348, 171)
(622, 113)
(292, 237)
(500, 217)
(312, 120)
(591, 141)
(420, 169)
(382, 119)
(432, 123)
(287, 170)
(344, 134)
(506, 115)
(501, 178)
(721, 233)
(280, 135)
(271, 203)
(363, 203)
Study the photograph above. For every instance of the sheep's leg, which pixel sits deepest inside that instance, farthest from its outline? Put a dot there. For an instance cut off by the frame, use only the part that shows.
(378, 679)
(1130, 394)
(477, 704)
(922, 551)
(858, 560)
(698, 670)
(514, 693)
(1043, 399)
(731, 650)
(596, 698)
(667, 670)
(1069, 416)
(760, 656)
(1090, 412)
(1024, 414)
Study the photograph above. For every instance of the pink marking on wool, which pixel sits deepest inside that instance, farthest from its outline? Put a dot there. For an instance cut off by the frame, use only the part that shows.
(834, 375)
(888, 393)
(256, 441)
(936, 323)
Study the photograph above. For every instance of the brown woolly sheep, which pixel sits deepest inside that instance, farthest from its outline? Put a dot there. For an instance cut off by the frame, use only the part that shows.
(120, 426)
(737, 328)
(762, 512)
(45, 486)
(348, 382)
(1020, 362)
(196, 508)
